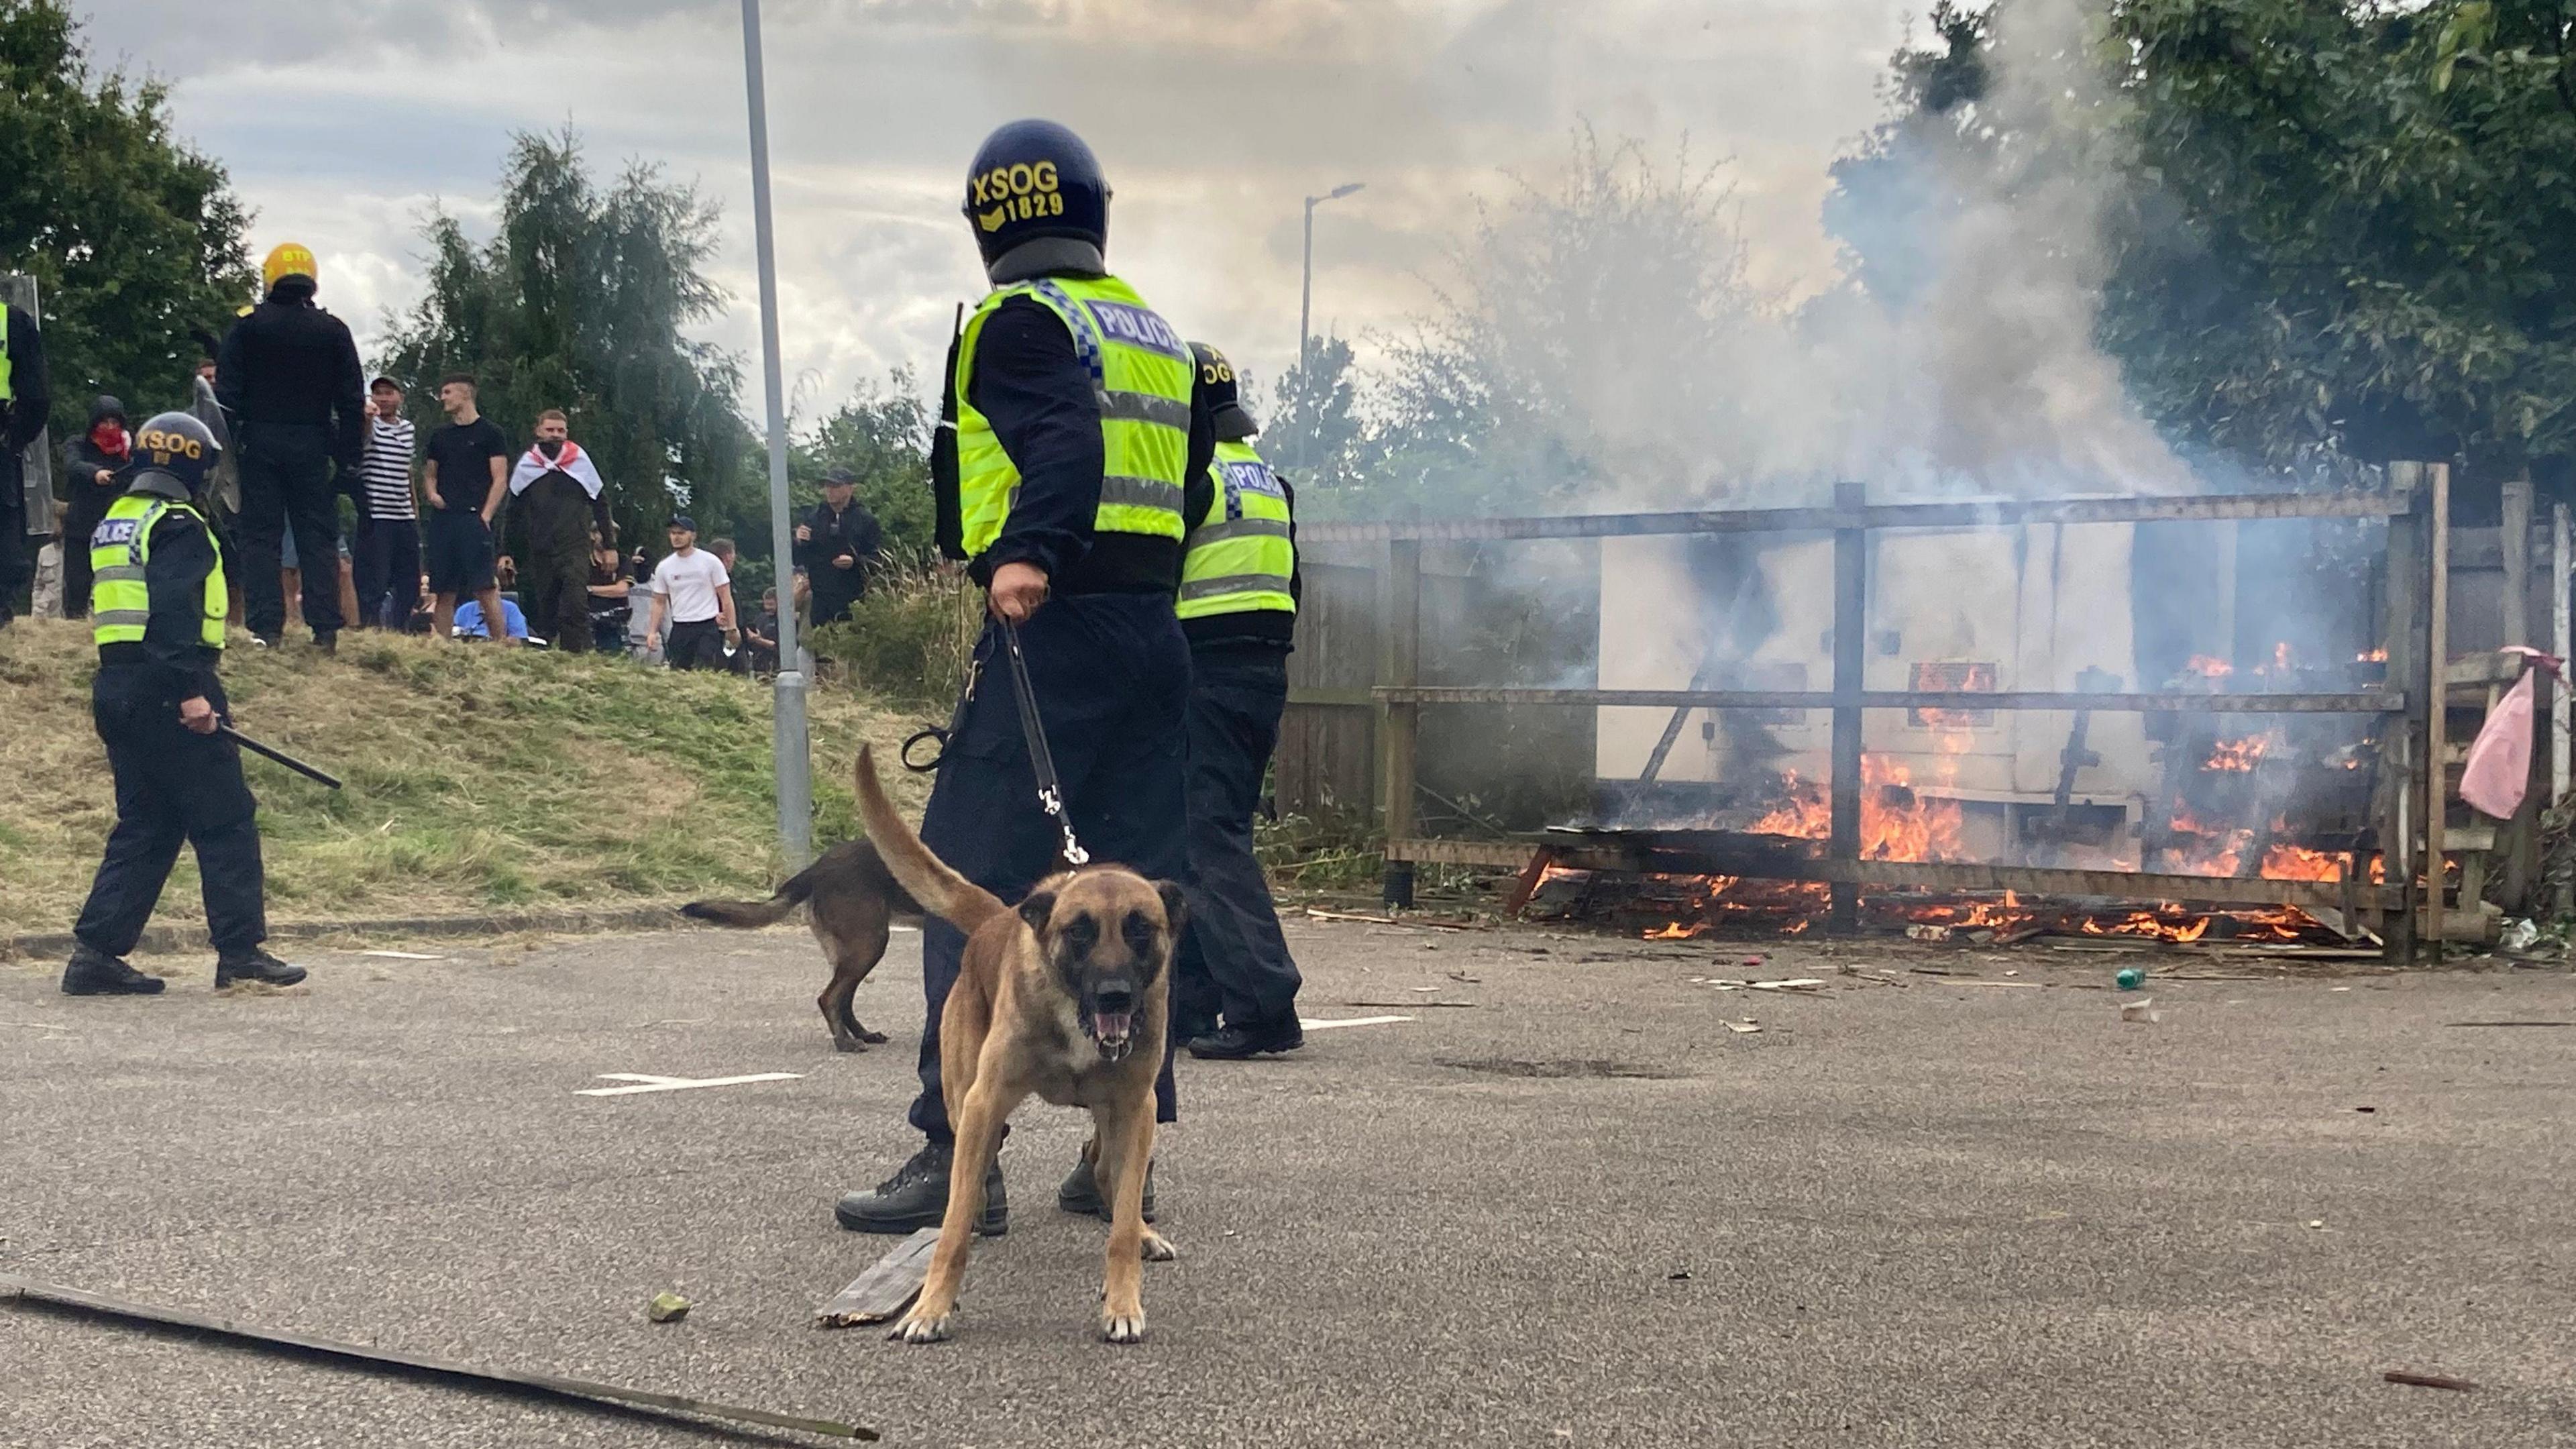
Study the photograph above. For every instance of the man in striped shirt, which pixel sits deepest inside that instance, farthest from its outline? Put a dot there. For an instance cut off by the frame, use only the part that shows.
(387, 562)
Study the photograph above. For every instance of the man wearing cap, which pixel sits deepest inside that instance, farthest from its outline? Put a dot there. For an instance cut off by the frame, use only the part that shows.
(289, 381)
(157, 607)
(1238, 606)
(837, 543)
(693, 595)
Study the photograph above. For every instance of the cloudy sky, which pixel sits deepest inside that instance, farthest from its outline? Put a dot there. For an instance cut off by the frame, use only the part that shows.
(343, 122)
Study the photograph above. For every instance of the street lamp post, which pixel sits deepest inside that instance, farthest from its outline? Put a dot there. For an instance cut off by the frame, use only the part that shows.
(789, 742)
(1306, 288)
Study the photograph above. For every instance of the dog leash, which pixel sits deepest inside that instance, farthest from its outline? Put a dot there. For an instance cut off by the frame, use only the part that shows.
(956, 722)
(1050, 791)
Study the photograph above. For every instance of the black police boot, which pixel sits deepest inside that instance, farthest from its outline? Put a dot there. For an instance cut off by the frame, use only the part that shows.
(1233, 1043)
(1081, 1192)
(327, 643)
(96, 973)
(255, 965)
(916, 1197)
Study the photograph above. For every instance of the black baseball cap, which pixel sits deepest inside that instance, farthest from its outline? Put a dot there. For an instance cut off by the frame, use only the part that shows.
(839, 478)
(682, 520)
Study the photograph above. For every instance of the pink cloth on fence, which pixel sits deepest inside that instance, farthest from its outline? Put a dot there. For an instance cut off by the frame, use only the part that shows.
(2498, 772)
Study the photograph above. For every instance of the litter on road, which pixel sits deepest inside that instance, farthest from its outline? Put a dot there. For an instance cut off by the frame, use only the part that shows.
(2428, 1381)
(646, 1082)
(1312, 1025)
(886, 1289)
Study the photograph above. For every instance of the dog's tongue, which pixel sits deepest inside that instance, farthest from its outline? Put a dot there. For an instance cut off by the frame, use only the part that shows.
(1109, 1025)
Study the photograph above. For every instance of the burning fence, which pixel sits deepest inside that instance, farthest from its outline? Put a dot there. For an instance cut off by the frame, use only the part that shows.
(1977, 757)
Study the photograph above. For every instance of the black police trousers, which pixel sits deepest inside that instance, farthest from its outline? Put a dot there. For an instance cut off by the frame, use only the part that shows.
(17, 563)
(1111, 674)
(286, 484)
(171, 785)
(1234, 957)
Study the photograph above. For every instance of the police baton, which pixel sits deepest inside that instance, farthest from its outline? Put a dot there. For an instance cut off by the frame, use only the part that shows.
(283, 758)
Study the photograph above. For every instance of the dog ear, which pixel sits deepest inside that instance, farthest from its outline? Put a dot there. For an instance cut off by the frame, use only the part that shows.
(1037, 909)
(1176, 907)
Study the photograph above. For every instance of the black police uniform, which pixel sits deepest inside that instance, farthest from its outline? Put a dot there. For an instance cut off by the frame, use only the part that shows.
(172, 784)
(1107, 663)
(22, 420)
(1234, 957)
(288, 378)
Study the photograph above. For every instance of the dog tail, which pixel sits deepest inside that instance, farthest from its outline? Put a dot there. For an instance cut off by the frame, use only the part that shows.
(749, 915)
(941, 890)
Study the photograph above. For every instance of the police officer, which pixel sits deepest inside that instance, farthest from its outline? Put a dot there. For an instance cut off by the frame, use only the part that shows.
(25, 399)
(1074, 445)
(288, 377)
(1238, 608)
(157, 604)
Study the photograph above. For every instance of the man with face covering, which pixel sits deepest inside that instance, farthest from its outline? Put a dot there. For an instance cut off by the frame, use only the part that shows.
(1078, 446)
(289, 383)
(92, 467)
(566, 504)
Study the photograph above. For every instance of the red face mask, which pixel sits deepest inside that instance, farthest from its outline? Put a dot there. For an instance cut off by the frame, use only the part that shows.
(110, 436)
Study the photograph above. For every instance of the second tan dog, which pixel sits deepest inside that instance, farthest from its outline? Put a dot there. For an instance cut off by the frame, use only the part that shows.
(1065, 998)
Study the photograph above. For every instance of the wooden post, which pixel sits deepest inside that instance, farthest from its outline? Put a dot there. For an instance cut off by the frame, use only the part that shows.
(2521, 835)
(1399, 663)
(2437, 704)
(1851, 629)
(2400, 803)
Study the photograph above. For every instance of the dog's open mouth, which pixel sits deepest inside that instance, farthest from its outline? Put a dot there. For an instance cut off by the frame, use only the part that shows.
(1113, 1032)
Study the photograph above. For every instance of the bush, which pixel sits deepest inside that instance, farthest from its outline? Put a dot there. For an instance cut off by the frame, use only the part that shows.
(910, 639)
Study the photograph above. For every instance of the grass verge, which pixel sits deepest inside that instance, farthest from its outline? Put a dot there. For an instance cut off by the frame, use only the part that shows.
(478, 779)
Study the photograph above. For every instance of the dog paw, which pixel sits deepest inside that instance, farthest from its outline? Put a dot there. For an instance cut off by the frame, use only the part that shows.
(876, 1037)
(916, 1328)
(1159, 1249)
(1123, 1327)
(845, 1044)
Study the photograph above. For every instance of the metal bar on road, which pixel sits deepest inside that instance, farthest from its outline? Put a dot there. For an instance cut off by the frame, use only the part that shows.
(2380, 701)
(1985, 514)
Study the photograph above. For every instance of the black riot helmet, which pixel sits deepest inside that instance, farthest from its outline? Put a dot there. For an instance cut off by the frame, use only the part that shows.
(179, 446)
(1223, 394)
(1034, 179)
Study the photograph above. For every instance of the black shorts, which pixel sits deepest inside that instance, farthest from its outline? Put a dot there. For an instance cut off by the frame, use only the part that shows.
(698, 644)
(457, 550)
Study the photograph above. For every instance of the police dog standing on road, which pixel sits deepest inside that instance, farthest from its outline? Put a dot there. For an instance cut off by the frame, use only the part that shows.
(852, 904)
(1065, 998)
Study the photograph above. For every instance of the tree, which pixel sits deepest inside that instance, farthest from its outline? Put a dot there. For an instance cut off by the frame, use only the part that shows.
(882, 435)
(2342, 229)
(135, 239)
(581, 302)
(1312, 431)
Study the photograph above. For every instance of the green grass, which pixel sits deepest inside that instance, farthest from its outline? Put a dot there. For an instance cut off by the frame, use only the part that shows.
(478, 778)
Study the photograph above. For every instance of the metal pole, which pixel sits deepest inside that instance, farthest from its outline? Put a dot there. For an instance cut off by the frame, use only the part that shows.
(1306, 292)
(792, 747)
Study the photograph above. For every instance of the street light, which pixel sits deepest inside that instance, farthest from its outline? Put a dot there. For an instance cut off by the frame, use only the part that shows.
(788, 739)
(1306, 289)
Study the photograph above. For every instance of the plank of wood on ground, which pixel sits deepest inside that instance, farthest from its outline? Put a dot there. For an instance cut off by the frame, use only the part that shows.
(886, 1288)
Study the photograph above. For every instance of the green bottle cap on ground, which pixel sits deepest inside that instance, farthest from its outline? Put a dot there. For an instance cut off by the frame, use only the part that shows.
(2131, 978)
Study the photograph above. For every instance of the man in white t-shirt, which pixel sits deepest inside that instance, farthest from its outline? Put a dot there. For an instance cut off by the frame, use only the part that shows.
(692, 591)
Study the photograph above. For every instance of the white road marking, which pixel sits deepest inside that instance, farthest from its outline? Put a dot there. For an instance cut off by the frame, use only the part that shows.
(1311, 1024)
(645, 1082)
(402, 955)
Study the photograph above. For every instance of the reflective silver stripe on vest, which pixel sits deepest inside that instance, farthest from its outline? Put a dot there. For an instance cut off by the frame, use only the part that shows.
(111, 618)
(1234, 584)
(1239, 528)
(1144, 407)
(120, 574)
(1140, 493)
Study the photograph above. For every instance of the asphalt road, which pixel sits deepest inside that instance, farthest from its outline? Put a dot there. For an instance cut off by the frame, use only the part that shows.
(1574, 1211)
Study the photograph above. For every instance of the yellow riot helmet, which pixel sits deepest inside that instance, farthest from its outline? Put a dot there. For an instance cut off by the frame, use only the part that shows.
(288, 259)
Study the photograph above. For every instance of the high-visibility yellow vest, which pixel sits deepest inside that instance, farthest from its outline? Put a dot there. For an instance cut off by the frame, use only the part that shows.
(120, 603)
(1240, 557)
(1141, 371)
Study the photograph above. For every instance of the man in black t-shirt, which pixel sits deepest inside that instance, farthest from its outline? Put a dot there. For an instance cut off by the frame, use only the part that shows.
(467, 473)
(838, 543)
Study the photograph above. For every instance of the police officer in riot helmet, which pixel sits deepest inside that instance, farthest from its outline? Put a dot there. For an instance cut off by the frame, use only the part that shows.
(157, 606)
(1072, 445)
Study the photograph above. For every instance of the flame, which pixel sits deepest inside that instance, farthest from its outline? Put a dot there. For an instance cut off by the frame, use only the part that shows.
(2208, 668)
(2237, 756)
(2371, 656)
(2297, 862)
(1896, 822)
(2281, 657)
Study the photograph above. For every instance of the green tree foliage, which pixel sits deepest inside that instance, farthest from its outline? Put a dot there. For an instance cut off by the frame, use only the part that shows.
(882, 435)
(2346, 229)
(582, 302)
(136, 241)
(1312, 430)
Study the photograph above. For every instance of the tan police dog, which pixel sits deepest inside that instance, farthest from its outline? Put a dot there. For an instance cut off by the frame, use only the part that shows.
(1066, 999)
